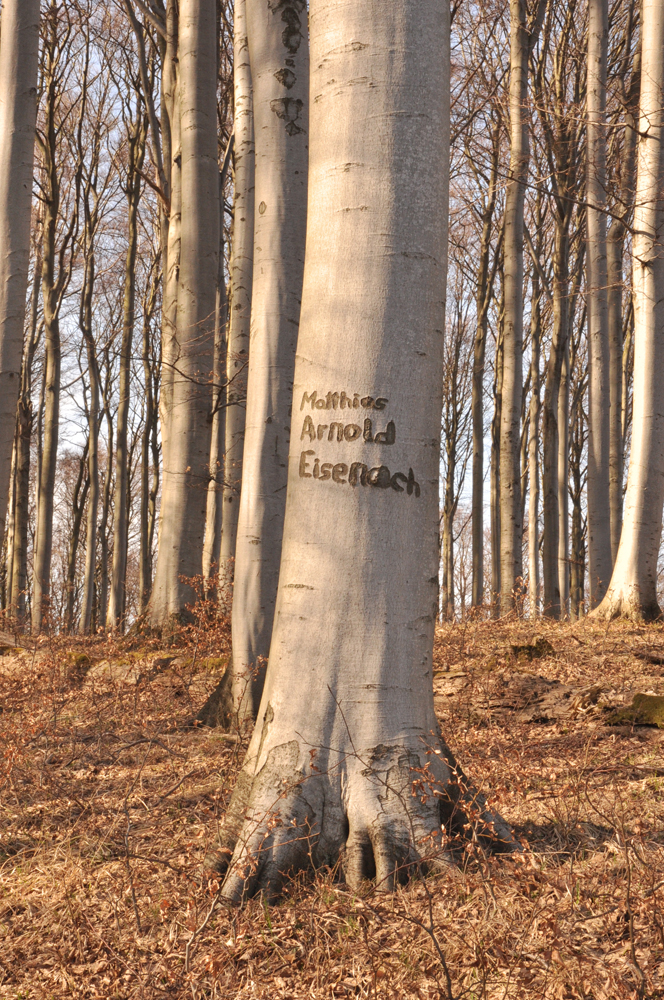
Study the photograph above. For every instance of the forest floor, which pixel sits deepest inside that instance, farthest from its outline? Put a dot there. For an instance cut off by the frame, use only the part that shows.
(108, 804)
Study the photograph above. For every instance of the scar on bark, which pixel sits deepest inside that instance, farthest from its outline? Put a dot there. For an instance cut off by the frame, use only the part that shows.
(286, 78)
(289, 110)
(290, 14)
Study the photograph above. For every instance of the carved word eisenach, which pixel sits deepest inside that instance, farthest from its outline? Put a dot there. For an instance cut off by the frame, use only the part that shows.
(358, 474)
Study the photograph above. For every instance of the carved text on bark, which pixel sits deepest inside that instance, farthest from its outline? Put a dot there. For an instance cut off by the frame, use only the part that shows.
(337, 431)
(342, 400)
(358, 474)
(367, 430)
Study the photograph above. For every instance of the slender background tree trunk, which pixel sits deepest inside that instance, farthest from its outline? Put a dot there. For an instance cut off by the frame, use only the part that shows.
(186, 457)
(511, 569)
(25, 419)
(279, 53)
(116, 606)
(599, 509)
(533, 453)
(483, 298)
(19, 47)
(615, 252)
(213, 518)
(241, 278)
(87, 596)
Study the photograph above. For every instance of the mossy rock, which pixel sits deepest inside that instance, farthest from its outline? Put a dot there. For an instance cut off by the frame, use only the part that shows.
(215, 664)
(534, 651)
(77, 665)
(645, 710)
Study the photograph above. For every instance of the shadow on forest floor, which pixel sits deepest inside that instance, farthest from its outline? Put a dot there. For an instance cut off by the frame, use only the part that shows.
(109, 804)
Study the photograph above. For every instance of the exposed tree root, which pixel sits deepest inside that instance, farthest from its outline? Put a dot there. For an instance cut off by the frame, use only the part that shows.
(384, 813)
(627, 603)
(217, 712)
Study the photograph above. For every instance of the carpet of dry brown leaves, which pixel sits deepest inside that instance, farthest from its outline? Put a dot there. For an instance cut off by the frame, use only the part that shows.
(108, 804)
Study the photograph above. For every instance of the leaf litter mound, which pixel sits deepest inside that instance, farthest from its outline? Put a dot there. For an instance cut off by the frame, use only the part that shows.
(110, 801)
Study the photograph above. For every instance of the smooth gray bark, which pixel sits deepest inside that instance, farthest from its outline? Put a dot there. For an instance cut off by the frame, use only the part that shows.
(598, 491)
(19, 48)
(279, 54)
(511, 569)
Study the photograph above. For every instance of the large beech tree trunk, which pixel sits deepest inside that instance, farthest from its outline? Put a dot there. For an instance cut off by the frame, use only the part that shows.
(599, 510)
(347, 708)
(633, 588)
(19, 47)
(186, 457)
(279, 54)
(241, 277)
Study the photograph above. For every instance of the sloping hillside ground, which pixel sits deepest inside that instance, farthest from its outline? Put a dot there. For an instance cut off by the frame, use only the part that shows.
(108, 804)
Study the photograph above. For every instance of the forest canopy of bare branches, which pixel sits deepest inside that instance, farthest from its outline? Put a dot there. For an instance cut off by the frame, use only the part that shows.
(88, 447)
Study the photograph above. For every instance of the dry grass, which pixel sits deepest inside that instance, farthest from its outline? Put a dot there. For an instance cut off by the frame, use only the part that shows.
(108, 805)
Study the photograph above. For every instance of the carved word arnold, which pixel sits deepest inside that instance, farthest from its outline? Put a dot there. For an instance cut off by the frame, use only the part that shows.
(348, 432)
